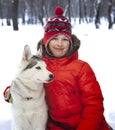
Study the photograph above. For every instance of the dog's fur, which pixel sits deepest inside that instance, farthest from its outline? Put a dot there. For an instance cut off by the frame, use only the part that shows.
(29, 106)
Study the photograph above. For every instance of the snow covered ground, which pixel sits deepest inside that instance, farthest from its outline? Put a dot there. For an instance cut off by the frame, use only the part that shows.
(97, 48)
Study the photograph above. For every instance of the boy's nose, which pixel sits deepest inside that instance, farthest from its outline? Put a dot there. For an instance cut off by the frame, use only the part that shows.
(59, 42)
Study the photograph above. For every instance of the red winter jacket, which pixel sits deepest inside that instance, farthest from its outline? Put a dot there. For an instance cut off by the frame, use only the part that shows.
(74, 97)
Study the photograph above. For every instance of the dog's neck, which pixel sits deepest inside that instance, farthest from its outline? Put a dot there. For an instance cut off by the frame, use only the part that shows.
(27, 87)
(26, 98)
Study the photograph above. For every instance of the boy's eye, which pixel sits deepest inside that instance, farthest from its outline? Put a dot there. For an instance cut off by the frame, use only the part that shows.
(38, 67)
(66, 39)
(55, 38)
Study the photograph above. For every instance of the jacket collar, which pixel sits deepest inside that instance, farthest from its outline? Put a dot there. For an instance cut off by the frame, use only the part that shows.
(62, 61)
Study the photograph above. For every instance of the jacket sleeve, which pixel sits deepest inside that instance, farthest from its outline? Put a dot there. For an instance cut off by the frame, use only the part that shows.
(92, 99)
(7, 95)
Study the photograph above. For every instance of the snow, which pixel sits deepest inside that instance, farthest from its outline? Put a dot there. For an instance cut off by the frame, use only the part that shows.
(97, 48)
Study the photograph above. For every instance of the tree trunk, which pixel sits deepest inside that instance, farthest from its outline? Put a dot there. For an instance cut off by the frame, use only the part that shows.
(9, 14)
(80, 12)
(1, 13)
(41, 11)
(85, 10)
(15, 14)
(69, 10)
(109, 14)
(97, 18)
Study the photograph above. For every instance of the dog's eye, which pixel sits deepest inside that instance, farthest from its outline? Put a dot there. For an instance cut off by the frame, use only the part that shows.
(38, 67)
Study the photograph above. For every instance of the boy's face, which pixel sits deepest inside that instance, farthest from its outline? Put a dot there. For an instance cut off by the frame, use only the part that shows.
(59, 45)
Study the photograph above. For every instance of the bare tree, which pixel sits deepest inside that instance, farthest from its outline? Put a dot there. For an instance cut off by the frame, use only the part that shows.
(9, 13)
(41, 11)
(1, 12)
(80, 12)
(15, 14)
(69, 9)
(109, 14)
(85, 10)
(97, 18)
(22, 11)
(90, 10)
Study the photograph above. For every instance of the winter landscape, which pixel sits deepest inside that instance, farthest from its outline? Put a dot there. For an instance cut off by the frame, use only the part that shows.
(97, 48)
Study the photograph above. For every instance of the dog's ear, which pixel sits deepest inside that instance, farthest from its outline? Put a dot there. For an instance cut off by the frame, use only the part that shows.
(26, 53)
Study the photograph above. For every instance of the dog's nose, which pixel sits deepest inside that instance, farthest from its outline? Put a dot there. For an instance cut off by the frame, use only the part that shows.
(51, 76)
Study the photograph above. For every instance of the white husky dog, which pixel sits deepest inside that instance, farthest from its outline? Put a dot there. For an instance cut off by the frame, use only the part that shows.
(29, 106)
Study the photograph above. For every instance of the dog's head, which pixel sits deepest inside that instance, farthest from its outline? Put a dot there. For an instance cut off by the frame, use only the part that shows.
(33, 68)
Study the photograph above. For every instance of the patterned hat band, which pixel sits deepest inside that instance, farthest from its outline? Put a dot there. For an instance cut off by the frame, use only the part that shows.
(61, 19)
(57, 25)
(58, 30)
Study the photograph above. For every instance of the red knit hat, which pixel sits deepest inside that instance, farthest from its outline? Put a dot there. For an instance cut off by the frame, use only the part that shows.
(58, 24)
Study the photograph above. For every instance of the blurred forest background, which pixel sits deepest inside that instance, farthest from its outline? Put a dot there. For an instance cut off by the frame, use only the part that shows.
(39, 11)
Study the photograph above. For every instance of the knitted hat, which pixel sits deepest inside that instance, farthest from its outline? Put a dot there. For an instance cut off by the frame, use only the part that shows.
(58, 24)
